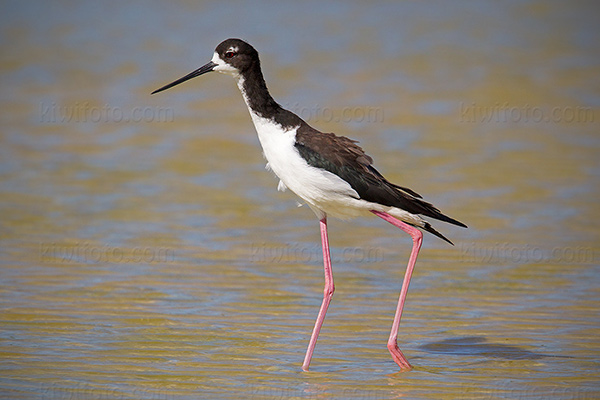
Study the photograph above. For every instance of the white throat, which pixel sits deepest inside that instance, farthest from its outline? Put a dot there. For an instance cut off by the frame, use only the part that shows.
(223, 67)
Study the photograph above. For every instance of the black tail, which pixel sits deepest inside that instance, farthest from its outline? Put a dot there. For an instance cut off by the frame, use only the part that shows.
(430, 229)
(380, 190)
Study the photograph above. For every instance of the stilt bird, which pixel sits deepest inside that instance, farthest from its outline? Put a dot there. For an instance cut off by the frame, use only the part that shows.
(332, 174)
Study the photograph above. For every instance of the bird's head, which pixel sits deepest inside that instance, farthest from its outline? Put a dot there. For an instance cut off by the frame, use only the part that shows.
(232, 56)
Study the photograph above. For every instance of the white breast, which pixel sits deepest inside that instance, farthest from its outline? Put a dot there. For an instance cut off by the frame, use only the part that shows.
(313, 185)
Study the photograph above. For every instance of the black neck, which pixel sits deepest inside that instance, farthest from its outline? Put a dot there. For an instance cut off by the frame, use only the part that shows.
(260, 101)
(258, 96)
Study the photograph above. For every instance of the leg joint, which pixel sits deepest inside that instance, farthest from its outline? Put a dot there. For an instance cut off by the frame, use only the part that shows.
(329, 289)
(417, 236)
(392, 345)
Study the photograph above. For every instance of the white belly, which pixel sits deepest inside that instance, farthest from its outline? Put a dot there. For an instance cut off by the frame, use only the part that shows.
(320, 189)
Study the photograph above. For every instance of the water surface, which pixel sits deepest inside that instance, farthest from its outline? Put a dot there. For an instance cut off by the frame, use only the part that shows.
(146, 253)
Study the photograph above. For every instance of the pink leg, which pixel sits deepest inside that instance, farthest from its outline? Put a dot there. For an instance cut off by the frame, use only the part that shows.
(417, 238)
(327, 295)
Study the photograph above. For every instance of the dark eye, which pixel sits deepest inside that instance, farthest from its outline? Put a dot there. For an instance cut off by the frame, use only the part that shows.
(229, 54)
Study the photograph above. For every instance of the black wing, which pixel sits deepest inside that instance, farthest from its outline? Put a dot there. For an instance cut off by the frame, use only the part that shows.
(343, 157)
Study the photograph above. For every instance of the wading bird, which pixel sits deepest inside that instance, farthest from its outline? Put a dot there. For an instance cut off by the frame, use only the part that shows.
(332, 174)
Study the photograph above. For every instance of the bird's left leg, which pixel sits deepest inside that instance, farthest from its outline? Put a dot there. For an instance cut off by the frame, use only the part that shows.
(417, 237)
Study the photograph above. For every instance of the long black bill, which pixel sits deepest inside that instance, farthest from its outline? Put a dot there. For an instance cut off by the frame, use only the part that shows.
(202, 70)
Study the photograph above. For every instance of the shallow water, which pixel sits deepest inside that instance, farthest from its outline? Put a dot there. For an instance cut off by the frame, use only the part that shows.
(146, 254)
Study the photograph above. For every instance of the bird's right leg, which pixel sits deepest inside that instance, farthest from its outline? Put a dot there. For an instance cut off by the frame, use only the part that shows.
(327, 294)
